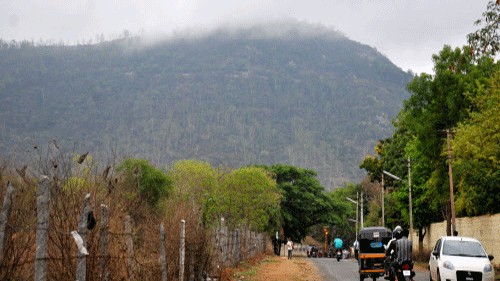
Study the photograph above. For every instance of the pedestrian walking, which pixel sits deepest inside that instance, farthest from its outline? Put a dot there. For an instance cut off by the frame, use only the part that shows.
(289, 246)
(356, 248)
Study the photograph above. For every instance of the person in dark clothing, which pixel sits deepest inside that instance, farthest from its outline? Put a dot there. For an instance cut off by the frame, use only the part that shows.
(399, 250)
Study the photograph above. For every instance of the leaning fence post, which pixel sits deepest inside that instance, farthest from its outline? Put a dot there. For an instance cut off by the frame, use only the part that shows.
(130, 248)
(42, 228)
(103, 243)
(182, 250)
(163, 258)
(4, 216)
(81, 264)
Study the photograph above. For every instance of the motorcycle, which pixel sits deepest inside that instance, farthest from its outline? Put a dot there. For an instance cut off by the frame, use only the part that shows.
(339, 255)
(402, 272)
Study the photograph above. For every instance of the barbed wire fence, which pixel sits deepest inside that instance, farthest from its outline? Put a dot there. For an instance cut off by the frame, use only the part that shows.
(39, 243)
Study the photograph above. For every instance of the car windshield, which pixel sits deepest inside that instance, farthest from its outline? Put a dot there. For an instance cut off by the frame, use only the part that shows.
(463, 248)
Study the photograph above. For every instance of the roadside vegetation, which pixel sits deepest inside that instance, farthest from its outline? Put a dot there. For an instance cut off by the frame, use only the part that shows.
(459, 104)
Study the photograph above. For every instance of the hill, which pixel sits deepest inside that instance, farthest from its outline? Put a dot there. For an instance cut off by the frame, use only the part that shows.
(301, 95)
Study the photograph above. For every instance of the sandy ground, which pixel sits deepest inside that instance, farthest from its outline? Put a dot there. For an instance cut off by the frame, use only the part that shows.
(274, 268)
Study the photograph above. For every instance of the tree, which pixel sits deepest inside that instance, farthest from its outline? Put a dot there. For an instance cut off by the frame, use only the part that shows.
(439, 103)
(477, 154)
(304, 203)
(486, 40)
(249, 196)
(196, 182)
(149, 182)
(344, 211)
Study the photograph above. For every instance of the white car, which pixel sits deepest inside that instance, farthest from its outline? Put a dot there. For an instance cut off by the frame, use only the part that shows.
(460, 258)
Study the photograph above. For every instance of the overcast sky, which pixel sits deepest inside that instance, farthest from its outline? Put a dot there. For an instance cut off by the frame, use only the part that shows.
(407, 32)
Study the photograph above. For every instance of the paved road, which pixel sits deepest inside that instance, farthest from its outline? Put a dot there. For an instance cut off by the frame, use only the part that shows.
(347, 270)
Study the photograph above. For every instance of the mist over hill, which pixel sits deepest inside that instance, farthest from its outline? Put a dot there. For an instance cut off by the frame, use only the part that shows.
(302, 95)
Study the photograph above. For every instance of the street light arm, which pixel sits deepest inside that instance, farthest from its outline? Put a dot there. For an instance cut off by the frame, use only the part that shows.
(392, 176)
(351, 200)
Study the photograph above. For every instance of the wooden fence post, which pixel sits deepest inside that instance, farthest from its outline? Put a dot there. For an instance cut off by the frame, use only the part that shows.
(4, 216)
(103, 243)
(220, 245)
(42, 228)
(129, 242)
(163, 257)
(81, 264)
(182, 250)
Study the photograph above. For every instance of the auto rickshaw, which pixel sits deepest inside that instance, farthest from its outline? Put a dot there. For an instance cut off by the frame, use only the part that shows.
(372, 251)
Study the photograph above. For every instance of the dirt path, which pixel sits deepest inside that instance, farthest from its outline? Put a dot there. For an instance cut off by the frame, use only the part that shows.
(273, 268)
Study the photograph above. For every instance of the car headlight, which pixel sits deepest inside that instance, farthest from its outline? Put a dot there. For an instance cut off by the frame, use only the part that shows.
(448, 265)
(487, 268)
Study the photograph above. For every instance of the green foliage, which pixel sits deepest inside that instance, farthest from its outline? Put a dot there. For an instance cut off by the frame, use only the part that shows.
(439, 103)
(344, 210)
(486, 40)
(149, 182)
(250, 196)
(304, 202)
(246, 196)
(477, 154)
(196, 181)
(75, 184)
(453, 97)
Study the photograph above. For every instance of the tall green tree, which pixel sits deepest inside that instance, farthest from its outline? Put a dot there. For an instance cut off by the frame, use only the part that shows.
(196, 182)
(477, 154)
(249, 196)
(452, 98)
(438, 103)
(344, 212)
(304, 202)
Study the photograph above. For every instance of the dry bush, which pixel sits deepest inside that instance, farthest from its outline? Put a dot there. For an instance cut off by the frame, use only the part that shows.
(71, 178)
(19, 245)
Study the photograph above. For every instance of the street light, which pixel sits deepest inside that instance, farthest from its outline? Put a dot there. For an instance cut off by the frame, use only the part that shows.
(409, 195)
(355, 202)
(383, 193)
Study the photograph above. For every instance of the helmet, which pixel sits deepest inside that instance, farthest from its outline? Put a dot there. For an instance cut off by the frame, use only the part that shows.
(397, 233)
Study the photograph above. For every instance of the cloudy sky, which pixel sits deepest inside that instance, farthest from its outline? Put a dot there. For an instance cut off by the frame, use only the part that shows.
(407, 32)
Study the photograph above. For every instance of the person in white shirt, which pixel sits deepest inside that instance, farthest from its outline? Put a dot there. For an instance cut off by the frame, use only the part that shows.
(356, 248)
(289, 246)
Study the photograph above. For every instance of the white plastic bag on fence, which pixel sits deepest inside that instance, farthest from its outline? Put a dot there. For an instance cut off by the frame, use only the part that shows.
(79, 243)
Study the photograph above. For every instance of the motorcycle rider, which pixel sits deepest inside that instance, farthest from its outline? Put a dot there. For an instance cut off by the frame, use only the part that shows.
(399, 250)
(337, 242)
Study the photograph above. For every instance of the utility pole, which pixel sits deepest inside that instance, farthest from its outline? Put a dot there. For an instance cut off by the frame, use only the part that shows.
(383, 201)
(409, 194)
(362, 224)
(450, 172)
(357, 207)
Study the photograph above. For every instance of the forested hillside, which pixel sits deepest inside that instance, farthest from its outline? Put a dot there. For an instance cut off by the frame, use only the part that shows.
(309, 97)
